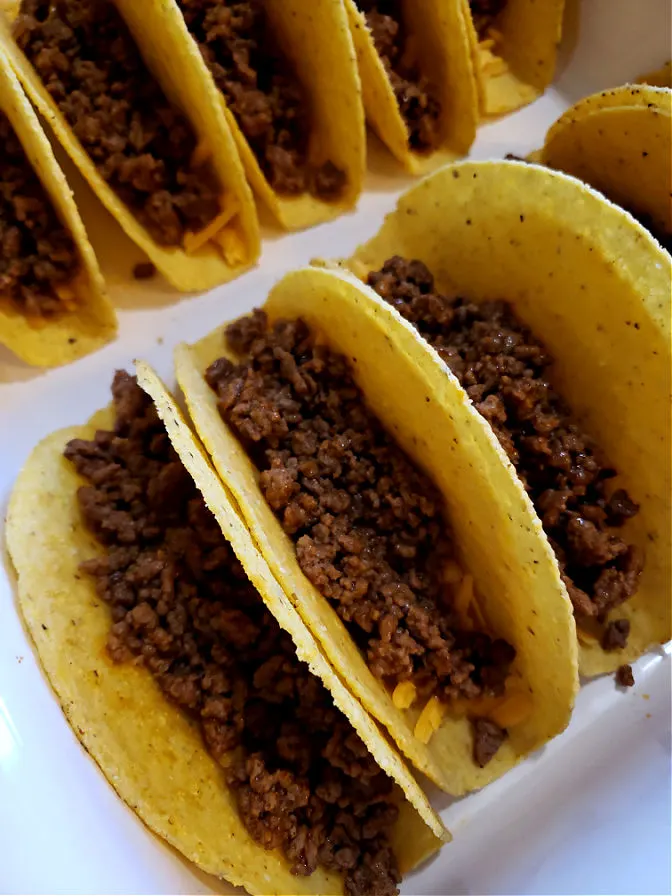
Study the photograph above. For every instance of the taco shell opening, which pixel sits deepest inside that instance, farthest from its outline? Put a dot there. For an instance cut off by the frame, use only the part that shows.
(433, 422)
(595, 287)
(516, 62)
(150, 751)
(91, 322)
(161, 36)
(440, 30)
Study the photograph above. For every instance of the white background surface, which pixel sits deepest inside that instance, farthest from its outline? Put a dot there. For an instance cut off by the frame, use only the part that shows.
(589, 815)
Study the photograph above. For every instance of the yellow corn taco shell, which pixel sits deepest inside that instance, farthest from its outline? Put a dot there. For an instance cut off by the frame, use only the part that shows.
(595, 287)
(315, 38)
(159, 32)
(620, 142)
(147, 748)
(89, 321)
(440, 32)
(515, 60)
(434, 423)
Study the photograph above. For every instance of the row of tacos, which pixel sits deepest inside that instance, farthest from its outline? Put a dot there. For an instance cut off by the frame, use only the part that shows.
(179, 112)
(395, 496)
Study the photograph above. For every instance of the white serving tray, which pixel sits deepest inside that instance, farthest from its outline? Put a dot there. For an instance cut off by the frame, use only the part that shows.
(590, 814)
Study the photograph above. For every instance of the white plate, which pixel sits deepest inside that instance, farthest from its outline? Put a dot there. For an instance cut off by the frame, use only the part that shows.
(589, 814)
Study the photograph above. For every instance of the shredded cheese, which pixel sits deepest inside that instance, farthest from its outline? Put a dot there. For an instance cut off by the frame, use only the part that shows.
(67, 295)
(194, 241)
(512, 709)
(429, 719)
(404, 695)
(232, 245)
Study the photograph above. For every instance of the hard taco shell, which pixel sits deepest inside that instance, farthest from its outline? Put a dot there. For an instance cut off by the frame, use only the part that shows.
(620, 142)
(595, 287)
(441, 32)
(92, 321)
(315, 37)
(160, 33)
(429, 415)
(150, 752)
(520, 64)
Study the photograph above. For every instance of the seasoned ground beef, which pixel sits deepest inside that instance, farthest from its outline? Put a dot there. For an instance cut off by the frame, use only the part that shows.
(483, 12)
(624, 677)
(180, 603)
(419, 107)
(616, 634)
(504, 369)
(141, 145)
(368, 526)
(488, 738)
(262, 92)
(37, 253)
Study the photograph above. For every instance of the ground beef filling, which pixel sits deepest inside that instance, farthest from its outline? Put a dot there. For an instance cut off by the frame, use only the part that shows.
(419, 108)
(368, 526)
(38, 256)
(262, 92)
(141, 145)
(483, 14)
(181, 604)
(504, 370)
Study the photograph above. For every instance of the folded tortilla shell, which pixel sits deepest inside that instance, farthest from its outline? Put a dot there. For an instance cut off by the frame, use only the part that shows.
(92, 322)
(521, 64)
(315, 38)
(594, 286)
(162, 38)
(440, 30)
(149, 750)
(431, 418)
(620, 142)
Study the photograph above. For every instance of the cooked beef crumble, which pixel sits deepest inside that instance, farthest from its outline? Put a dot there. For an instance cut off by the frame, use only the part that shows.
(141, 145)
(488, 738)
(367, 524)
(419, 107)
(181, 604)
(624, 677)
(38, 253)
(483, 12)
(504, 369)
(262, 92)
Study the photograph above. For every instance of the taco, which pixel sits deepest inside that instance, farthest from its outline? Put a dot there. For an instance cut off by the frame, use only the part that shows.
(144, 126)
(532, 289)
(347, 455)
(514, 46)
(53, 306)
(287, 74)
(620, 142)
(417, 77)
(187, 674)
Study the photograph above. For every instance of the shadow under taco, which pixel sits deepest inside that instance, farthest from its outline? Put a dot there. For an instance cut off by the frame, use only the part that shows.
(286, 73)
(514, 47)
(620, 143)
(186, 672)
(551, 307)
(417, 76)
(53, 306)
(412, 559)
(144, 126)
